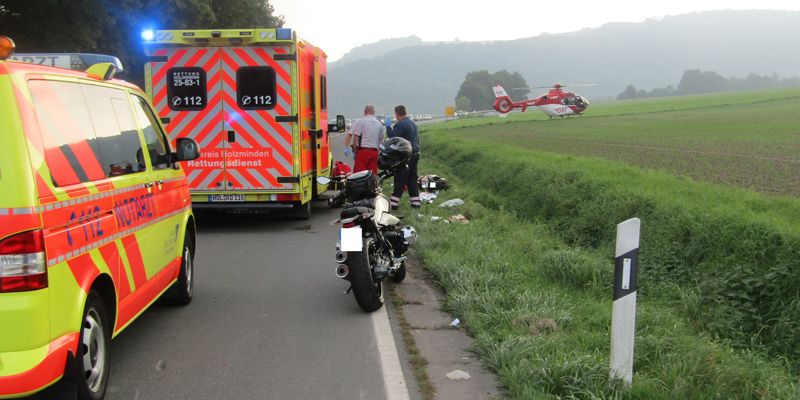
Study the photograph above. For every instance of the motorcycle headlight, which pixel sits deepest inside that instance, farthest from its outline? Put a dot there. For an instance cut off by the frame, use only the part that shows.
(410, 234)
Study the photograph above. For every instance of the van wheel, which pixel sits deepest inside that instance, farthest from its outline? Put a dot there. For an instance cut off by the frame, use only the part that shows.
(182, 291)
(302, 211)
(94, 350)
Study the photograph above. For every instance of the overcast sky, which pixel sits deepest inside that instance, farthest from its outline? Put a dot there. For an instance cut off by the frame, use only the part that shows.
(340, 25)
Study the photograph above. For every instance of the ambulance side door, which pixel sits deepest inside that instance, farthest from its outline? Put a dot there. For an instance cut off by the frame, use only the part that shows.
(167, 187)
(322, 145)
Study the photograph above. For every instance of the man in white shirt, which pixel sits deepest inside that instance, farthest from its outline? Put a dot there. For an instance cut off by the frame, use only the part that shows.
(369, 132)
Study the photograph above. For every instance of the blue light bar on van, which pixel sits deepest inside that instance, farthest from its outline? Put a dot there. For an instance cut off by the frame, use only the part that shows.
(283, 33)
(148, 35)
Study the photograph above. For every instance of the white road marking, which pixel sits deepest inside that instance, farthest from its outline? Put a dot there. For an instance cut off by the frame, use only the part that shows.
(393, 379)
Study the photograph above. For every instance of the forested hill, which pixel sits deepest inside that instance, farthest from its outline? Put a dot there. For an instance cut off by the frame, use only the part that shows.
(651, 54)
(378, 49)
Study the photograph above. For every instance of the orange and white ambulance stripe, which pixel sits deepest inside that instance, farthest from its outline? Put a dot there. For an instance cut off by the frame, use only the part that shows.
(258, 129)
(204, 126)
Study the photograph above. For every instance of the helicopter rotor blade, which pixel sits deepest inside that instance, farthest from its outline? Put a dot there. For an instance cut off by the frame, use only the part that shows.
(562, 86)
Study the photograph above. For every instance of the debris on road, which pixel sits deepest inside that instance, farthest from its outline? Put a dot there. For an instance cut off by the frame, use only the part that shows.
(430, 183)
(458, 375)
(452, 203)
(459, 218)
(456, 323)
(428, 197)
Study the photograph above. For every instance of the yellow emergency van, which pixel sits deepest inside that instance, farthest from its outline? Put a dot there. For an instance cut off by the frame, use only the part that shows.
(95, 221)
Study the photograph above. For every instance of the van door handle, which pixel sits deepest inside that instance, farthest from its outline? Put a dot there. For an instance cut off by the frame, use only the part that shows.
(231, 136)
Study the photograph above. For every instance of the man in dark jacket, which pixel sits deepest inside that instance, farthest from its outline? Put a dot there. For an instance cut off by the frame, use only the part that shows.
(406, 177)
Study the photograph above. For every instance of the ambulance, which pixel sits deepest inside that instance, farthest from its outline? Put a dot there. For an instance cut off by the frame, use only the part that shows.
(95, 221)
(256, 101)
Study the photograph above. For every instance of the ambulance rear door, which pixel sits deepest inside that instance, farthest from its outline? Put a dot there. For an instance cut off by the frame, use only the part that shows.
(187, 94)
(257, 110)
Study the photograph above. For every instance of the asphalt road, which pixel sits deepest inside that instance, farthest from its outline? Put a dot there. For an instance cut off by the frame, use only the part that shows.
(268, 321)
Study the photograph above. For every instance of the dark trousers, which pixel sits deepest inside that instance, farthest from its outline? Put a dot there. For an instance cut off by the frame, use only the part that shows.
(407, 177)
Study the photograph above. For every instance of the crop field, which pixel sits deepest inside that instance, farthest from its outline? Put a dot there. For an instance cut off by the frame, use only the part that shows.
(530, 274)
(751, 140)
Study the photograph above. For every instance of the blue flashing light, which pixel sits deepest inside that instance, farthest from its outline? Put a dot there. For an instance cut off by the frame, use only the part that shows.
(284, 33)
(148, 35)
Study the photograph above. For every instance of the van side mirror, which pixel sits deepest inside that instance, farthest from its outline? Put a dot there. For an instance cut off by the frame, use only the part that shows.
(187, 149)
(340, 123)
(339, 126)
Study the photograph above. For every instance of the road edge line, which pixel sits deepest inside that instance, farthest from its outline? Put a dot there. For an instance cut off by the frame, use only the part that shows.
(394, 381)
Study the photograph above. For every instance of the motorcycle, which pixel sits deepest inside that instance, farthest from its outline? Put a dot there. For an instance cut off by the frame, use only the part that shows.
(371, 240)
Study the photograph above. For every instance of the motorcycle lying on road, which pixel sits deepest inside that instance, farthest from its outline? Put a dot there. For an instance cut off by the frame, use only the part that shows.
(372, 241)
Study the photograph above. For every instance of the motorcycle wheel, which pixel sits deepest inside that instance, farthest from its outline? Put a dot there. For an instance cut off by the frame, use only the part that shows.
(368, 293)
(400, 274)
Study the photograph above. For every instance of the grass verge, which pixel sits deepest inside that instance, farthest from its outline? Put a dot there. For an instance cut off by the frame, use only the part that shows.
(730, 255)
(538, 303)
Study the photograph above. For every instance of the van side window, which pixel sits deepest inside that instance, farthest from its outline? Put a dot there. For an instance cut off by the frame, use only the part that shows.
(71, 150)
(255, 88)
(186, 88)
(323, 88)
(154, 138)
(117, 135)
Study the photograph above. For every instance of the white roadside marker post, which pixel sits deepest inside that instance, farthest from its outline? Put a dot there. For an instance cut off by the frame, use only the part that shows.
(623, 315)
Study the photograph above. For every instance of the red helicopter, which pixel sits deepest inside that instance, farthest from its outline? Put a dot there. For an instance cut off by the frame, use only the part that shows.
(555, 103)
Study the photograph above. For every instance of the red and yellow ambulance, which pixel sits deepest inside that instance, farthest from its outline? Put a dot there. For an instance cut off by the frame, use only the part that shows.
(95, 221)
(256, 102)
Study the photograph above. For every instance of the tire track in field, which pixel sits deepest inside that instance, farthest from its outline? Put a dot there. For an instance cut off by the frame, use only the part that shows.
(674, 149)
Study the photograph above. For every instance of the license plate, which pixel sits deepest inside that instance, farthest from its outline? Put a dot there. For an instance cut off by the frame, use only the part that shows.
(350, 239)
(215, 198)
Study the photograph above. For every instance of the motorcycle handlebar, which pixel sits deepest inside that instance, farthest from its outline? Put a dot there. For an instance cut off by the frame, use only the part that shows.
(383, 175)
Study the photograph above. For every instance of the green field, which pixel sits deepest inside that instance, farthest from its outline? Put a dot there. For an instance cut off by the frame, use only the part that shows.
(749, 139)
(530, 275)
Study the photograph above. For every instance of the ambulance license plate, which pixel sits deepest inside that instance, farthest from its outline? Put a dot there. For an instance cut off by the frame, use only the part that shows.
(218, 198)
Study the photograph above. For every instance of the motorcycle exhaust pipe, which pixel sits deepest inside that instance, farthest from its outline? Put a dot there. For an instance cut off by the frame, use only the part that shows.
(340, 257)
(342, 271)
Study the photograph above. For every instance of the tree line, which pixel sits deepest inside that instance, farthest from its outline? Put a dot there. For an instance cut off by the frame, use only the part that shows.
(695, 81)
(476, 91)
(114, 26)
